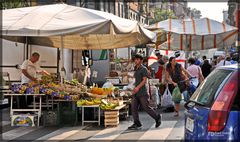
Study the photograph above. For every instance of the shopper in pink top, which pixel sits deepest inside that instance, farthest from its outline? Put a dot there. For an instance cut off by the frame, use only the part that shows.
(195, 71)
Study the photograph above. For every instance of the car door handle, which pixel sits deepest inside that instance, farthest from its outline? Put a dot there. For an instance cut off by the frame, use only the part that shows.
(188, 114)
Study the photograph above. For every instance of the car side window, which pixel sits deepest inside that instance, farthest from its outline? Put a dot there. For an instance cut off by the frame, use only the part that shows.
(206, 93)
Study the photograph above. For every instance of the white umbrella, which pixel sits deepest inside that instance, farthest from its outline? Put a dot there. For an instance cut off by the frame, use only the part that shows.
(66, 26)
(80, 28)
(195, 34)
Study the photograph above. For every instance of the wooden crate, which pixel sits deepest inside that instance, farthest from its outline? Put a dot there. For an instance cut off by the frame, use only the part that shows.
(111, 118)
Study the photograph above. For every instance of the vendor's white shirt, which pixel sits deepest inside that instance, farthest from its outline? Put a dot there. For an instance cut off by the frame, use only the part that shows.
(32, 69)
(221, 63)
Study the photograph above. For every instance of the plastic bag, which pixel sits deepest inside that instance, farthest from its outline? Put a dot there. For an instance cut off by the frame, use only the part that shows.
(130, 86)
(107, 84)
(154, 99)
(176, 95)
(166, 98)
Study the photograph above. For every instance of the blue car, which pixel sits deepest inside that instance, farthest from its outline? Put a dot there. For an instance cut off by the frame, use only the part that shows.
(213, 111)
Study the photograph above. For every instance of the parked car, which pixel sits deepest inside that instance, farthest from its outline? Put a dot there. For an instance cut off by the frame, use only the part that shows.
(213, 112)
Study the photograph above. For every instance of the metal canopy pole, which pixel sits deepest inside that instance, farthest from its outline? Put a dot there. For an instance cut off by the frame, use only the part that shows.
(63, 71)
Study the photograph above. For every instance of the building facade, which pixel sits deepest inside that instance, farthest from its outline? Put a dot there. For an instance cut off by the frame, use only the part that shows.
(234, 16)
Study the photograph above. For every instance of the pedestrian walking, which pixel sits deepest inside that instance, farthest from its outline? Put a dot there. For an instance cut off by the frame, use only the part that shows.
(195, 71)
(140, 95)
(160, 67)
(223, 61)
(206, 68)
(175, 73)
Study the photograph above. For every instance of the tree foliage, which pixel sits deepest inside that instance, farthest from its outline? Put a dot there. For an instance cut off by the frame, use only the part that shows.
(8, 4)
(160, 15)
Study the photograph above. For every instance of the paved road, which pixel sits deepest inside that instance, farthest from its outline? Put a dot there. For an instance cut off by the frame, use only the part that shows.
(171, 129)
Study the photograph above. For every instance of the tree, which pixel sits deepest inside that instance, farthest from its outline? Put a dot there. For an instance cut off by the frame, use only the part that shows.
(160, 15)
(8, 4)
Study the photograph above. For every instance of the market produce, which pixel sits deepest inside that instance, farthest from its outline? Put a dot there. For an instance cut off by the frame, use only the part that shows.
(18, 88)
(73, 82)
(81, 103)
(45, 79)
(89, 102)
(71, 90)
(96, 90)
(108, 106)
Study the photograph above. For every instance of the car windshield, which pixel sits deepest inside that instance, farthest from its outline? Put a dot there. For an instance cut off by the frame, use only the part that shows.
(206, 92)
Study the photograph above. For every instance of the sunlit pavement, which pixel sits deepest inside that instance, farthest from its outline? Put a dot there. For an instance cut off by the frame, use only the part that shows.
(171, 129)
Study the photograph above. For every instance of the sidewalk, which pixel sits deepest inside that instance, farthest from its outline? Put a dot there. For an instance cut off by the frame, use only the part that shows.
(171, 129)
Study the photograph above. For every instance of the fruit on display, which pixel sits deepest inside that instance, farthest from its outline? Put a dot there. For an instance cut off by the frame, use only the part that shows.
(73, 82)
(18, 88)
(98, 91)
(108, 91)
(89, 102)
(45, 79)
(81, 102)
(75, 97)
(71, 90)
(108, 106)
(97, 101)
(83, 88)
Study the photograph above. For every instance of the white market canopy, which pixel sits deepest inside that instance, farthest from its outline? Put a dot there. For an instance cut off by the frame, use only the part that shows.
(195, 34)
(77, 28)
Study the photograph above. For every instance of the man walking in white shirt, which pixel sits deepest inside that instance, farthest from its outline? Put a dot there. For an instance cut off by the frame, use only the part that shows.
(223, 61)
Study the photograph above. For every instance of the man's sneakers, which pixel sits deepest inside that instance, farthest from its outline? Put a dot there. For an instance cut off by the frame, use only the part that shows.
(135, 127)
(158, 121)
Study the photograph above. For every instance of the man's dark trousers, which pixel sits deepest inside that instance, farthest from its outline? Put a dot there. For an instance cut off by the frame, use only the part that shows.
(143, 101)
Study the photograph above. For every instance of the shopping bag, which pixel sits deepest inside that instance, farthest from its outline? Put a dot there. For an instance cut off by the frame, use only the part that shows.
(154, 99)
(176, 95)
(167, 98)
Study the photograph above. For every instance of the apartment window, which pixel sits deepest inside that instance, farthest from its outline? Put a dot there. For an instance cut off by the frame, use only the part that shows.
(101, 5)
(122, 10)
(119, 9)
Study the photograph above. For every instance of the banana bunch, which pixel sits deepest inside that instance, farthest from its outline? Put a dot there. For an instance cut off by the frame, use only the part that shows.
(108, 106)
(82, 102)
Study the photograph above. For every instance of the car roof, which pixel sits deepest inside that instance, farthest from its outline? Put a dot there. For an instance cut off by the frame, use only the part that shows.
(230, 67)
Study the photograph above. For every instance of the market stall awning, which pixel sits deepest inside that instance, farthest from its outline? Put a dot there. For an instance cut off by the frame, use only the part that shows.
(80, 28)
(195, 34)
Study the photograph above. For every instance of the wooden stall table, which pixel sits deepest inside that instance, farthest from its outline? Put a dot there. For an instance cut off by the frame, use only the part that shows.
(34, 109)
